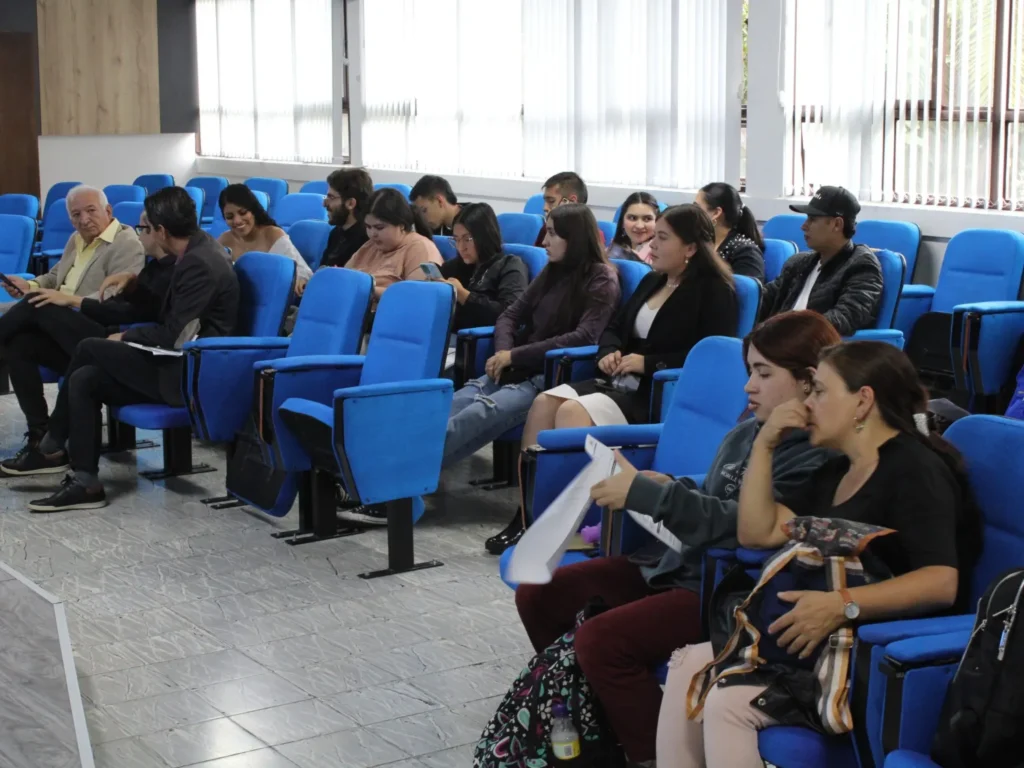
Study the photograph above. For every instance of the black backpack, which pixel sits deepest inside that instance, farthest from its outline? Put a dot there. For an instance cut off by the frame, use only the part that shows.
(519, 734)
(982, 720)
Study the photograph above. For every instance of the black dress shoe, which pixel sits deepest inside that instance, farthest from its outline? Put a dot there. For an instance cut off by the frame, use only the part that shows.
(512, 533)
(72, 495)
(31, 461)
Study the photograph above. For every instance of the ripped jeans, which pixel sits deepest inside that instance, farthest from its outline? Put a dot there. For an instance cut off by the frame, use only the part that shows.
(483, 411)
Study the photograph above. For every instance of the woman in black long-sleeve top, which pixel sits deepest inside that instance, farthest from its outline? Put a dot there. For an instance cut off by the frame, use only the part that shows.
(486, 281)
(737, 238)
(688, 296)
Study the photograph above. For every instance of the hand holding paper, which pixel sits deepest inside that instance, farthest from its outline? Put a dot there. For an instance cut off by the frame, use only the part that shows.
(612, 492)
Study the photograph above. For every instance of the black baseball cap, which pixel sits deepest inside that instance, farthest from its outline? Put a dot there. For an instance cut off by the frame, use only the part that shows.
(831, 201)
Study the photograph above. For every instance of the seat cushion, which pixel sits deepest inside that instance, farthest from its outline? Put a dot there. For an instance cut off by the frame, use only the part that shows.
(153, 416)
(567, 559)
(794, 747)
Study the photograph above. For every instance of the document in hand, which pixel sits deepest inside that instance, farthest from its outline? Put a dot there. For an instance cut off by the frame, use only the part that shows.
(540, 550)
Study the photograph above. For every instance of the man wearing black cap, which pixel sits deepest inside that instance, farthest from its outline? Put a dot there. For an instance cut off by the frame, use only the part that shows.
(840, 280)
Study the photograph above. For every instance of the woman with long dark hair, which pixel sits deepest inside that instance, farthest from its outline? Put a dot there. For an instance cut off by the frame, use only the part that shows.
(567, 305)
(400, 241)
(634, 231)
(654, 595)
(250, 228)
(486, 281)
(867, 405)
(737, 238)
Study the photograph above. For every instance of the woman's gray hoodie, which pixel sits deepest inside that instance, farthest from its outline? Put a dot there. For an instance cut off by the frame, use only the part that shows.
(706, 517)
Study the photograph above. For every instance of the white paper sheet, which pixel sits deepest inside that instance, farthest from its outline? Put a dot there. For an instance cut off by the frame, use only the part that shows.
(157, 351)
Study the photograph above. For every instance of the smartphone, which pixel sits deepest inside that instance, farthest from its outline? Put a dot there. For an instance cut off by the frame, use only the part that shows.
(431, 270)
(10, 283)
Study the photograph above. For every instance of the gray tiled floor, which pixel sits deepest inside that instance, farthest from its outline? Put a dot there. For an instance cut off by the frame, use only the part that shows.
(200, 640)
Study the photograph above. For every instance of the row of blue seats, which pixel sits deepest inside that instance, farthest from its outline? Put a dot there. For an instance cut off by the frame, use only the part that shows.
(708, 397)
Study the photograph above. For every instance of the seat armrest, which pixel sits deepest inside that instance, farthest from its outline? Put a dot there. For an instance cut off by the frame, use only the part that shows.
(570, 364)
(624, 435)
(574, 353)
(472, 348)
(662, 392)
(916, 291)
(238, 342)
(483, 332)
(927, 650)
(991, 331)
(888, 335)
(991, 307)
(393, 388)
(905, 758)
(886, 632)
(311, 363)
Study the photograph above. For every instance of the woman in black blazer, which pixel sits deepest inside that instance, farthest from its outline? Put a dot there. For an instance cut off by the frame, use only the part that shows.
(689, 295)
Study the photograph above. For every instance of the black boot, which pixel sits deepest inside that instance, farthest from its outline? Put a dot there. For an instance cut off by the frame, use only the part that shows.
(509, 536)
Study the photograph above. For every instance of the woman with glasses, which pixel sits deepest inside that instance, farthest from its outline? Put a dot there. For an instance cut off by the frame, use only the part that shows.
(486, 281)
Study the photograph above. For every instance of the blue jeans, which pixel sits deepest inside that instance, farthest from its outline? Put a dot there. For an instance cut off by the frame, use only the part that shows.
(482, 411)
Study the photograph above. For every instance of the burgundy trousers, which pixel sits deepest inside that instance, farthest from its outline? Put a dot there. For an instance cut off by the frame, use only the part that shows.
(619, 649)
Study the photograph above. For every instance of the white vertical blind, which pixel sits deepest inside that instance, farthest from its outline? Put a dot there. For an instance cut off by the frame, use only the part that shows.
(910, 101)
(265, 81)
(622, 91)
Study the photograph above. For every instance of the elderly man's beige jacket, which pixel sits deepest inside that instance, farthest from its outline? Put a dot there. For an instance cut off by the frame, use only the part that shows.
(121, 253)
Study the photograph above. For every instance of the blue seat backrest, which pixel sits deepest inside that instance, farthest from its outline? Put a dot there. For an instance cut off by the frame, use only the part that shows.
(315, 187)
(198, 195)
(980, 265)
(57, 227)
(58, 192)
(129, 213)
(708, 401)
(154, 182)
(521, 228)
(17, 234)
(124, 193)
(275, 189)
(409, 339)
(212, 186)
(786, 226)
(534, 204)
(266, 282)
(897, 236)
(216, 228)
(446, 247)
(894, 272)
(20, 205)
(991, 447)
(607, 231)
(333, 313)
(618, 212)
(298, 206)
(776, 253)
(405, 189)
(535, 258)
(748, 297)
(630, 275)
(310, 238)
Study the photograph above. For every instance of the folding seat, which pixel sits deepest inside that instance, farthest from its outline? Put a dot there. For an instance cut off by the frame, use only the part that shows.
(298, 206)
(57, 230)
(405, 189)
(893, 273)
(903, 237)
(129, 213)
(198, 196)
(212, 187)
(124, 193)
(58, 192)
(267, 282)
(17, 233)
(708, 402)
(154, 182)
(315, 187)
(520, 228)
(274, 189)
(377, 421)
(776, 254)
(20, 205)
(446, 247)
(607, 231)
(534, 204)
(787, 226)
(310, 238)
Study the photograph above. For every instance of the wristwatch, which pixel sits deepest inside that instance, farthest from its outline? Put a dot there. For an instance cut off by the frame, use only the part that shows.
(850, 608)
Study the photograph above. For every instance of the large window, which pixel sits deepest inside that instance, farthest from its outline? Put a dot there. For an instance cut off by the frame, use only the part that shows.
(265, 79)
(623, 91)
(909, 101)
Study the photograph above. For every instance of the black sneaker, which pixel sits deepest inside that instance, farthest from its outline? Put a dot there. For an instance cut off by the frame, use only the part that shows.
(368, 514)
(72, 495)
(31, 461)
(343, 500)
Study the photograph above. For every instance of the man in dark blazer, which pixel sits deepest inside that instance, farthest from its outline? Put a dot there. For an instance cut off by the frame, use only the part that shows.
(122, 369)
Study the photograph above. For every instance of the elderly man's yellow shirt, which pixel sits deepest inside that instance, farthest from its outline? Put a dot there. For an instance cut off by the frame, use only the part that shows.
(83, 255)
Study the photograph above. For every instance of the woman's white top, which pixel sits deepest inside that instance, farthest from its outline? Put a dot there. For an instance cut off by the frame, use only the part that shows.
(285, 247)
(644, 321)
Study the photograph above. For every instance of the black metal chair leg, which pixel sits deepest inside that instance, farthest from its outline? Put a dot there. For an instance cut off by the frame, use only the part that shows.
(318, 512)
(177, 456)
(400, 543)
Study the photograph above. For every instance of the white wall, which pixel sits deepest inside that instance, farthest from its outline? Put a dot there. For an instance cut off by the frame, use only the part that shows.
(102, 160)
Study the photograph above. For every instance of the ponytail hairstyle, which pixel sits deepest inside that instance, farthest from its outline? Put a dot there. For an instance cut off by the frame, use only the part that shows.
(637, 198)
(902, 403)
(736, 215)
(390, 206)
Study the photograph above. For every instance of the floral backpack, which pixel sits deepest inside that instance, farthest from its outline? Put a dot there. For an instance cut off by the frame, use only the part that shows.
(519, 734)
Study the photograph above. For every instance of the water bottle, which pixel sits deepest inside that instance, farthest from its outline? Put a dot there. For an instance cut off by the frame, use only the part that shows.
(565, 742)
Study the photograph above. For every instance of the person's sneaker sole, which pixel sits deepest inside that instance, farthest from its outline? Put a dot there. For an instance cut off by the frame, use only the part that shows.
(35, 506)
(40, 471)
(351, 516)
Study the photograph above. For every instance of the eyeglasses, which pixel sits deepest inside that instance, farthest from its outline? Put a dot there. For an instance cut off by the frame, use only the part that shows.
(333, 198)
(457, 241)
(142, 229)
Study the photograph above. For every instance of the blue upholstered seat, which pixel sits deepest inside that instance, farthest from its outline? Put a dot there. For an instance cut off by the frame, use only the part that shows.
(298, 206)
(521, 228)
(154, 182)
(212, 186)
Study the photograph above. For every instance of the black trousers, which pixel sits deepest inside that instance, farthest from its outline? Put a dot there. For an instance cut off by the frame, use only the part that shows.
(40, 336)
(101, 372)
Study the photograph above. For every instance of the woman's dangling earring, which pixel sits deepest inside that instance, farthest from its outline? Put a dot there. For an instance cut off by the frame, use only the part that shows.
(858, 425)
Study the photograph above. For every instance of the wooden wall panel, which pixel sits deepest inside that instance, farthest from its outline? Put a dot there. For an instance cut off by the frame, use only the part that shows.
(98, 70)
(19, 160)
